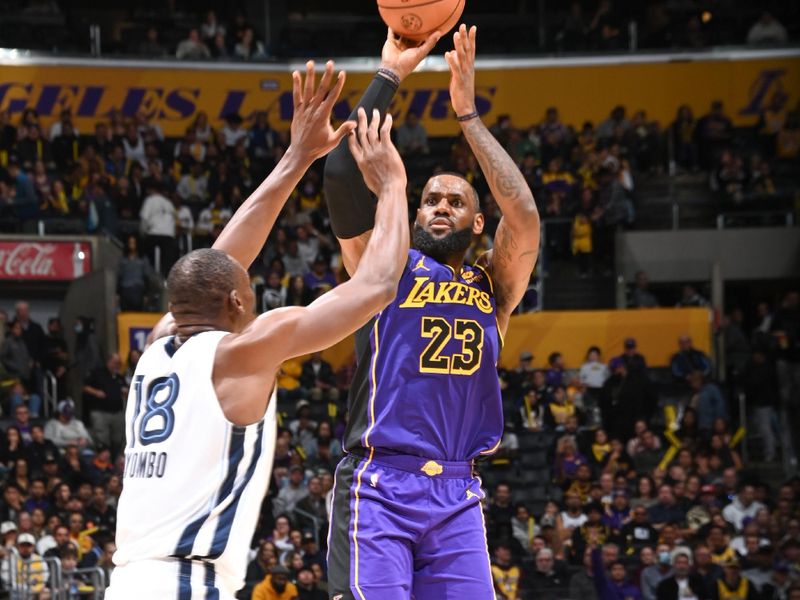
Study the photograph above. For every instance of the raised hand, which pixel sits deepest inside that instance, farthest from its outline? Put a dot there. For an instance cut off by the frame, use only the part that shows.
(462, 70)
(375, 154)
(313, 135)
(402, 59)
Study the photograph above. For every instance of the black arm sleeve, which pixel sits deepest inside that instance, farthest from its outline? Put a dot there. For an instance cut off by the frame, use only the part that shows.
(350, 203)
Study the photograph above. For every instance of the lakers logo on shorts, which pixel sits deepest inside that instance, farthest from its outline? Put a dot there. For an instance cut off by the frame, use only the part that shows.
(432, 468)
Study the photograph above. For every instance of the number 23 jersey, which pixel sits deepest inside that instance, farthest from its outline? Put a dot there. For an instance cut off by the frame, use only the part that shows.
(426, 381)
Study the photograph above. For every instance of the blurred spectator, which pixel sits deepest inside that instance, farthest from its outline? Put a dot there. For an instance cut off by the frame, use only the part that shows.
(732, 584)
(158, 228)
(549, 578)
(233, 131)
(638, 533)
(320, 278)
(589, 534)
(193, 186)
(683, 583)
(412, 138)
(192, 48)
(581, 584)
(684, 146)
(744, 506)
(276, 586)
(65, 430)
(787, 145)
(714, 132)
(211, 27)
(312, 505)
(33, 572)
(612, 585)
(505, 574)
(133, 276)
(294, 491)
(249, 48)
(307, 587)
(103, 396)
(560, 408)
(150, 46)
(642, 297)
(500, 513)
(14, 354)
(708, 401)
(767, 31)
(653, 575)
(317, 376)
(785, 330)
(689, 360)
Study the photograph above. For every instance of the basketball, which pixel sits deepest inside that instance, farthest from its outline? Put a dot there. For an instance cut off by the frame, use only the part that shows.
(417, 19)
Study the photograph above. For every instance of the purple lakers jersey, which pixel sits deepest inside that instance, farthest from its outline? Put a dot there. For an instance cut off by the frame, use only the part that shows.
(426, 382)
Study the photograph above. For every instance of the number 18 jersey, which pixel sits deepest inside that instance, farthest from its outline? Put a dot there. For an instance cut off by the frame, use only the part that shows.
(426, 383)
(193, 481)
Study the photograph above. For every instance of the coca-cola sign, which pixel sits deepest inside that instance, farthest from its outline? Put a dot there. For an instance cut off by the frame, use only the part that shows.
(43, 260)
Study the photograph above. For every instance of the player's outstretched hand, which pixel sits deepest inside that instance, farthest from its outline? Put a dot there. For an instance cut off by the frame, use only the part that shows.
(377, 158)
(462, 70)
(401, 58)
(312, 132)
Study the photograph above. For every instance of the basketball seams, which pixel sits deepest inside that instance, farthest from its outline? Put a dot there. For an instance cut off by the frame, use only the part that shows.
(405, 6)
(459, 7)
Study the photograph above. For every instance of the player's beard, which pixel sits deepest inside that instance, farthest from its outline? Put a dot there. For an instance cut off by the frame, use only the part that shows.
(440, 249)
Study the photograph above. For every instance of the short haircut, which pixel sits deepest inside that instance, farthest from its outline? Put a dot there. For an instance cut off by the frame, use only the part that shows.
(206, 273)
(460, 176)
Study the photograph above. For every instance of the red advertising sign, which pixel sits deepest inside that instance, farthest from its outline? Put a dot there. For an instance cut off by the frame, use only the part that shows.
(34, 260)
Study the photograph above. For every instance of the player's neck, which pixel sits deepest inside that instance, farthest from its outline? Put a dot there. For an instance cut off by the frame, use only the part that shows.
(454, 261)
(184, 332)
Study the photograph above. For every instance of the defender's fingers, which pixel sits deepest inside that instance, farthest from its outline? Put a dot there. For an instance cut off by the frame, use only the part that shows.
(308, 91)
(334, 94)
(345, 129)
(355, 147)
(297, 95)
(324, 83)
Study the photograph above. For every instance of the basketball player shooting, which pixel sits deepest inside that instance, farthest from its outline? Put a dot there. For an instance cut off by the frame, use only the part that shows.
(425, 400)
(200, 416)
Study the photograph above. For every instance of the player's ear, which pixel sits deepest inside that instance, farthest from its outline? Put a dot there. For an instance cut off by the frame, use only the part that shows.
(477, 224)
(235, 303)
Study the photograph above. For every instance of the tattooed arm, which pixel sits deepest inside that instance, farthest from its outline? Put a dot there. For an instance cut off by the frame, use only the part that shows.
(516, 243)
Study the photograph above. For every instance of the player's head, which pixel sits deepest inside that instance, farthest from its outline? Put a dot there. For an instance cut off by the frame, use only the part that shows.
(448, 216)
(208, 288)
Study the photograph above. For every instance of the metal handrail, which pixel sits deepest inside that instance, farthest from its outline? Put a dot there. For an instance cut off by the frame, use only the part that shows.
(313, 518)
(50, 393)
(786, 214)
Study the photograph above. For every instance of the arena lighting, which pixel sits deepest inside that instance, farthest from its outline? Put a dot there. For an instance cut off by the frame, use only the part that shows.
(706, 16)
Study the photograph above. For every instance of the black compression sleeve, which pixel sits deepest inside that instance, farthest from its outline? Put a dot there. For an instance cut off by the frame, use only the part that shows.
(350, 203)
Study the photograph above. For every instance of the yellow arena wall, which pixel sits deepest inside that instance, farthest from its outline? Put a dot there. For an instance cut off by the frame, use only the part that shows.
(569, 332)
(172, 93)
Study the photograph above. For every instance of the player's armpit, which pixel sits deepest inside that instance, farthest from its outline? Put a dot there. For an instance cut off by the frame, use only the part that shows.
(352, 249)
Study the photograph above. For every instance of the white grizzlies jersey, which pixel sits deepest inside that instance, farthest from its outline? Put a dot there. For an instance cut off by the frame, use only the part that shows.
(193, 482)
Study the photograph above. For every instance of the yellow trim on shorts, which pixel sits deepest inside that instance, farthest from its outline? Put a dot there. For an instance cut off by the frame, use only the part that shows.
(371, 453)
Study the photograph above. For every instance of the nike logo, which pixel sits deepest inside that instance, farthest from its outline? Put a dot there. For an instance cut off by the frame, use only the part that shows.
(471, 495)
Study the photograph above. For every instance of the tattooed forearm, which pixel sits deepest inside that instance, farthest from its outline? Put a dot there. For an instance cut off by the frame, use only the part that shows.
(505, 180)
(516, 242)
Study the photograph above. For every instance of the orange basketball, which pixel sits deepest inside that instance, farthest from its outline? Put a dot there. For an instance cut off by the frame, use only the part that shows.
(417, 19)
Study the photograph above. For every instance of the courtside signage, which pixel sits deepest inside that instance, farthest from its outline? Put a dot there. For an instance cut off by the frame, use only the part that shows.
(36, 260)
